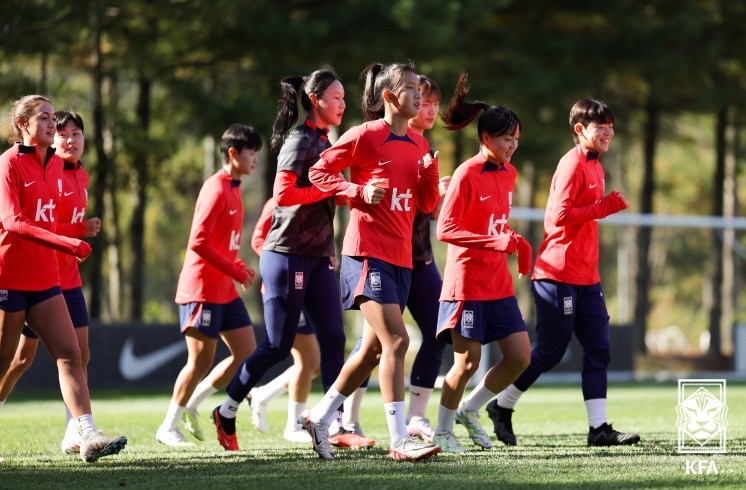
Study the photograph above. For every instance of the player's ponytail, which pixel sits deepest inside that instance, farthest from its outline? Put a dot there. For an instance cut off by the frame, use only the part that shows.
(287, 112)
(372, 104)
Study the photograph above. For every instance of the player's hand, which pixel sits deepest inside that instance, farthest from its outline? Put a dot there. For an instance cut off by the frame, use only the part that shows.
(92, 227)
(429, 159)
(250, 279)
(375, 189)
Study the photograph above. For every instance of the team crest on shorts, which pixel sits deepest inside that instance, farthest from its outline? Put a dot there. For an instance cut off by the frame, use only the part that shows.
(467, 319)
(375, 281)
(206, 318)
(567, 303)
(3, 295)
(299, 280)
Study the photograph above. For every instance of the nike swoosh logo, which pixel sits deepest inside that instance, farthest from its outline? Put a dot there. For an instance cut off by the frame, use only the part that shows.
(428, 262)
(232, 211)
(133, 367)
(67, 193)
(26, 184)
(331, 267)
(484, 198)
(591, 186)
(381, 164)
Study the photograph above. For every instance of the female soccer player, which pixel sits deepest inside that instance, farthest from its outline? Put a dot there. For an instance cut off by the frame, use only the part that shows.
(296, 261)
(478, 305)
(566, 284)
(209, 303)
(391, 174)
(69, 142)
(31, 187)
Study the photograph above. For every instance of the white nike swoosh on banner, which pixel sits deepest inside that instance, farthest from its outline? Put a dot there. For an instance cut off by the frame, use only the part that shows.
(133, 367)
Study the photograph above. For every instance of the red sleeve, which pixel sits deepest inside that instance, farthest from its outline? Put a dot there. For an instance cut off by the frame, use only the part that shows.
(567, 185)
(427, 193)
(285, 193)
(21, 226)
(451, 227)
(326, 174)
(205, 216)
(262, 226)
(71, 229)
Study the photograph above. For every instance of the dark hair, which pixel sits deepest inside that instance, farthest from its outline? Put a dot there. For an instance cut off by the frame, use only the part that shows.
(379, 77)
(239, 136)
(496, 120)
(61, 118)
(428, 86)
(589, 110)
(22, 109)
(287, 107)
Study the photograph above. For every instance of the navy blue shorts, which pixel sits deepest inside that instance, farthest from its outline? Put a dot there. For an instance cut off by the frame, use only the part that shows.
(373, 279)
(75, 305)
(305, 326)
(483, 321)
(12, 300)
(211, 318)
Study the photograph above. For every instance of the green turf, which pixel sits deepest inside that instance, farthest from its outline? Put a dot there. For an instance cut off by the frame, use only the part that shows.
(550, 423)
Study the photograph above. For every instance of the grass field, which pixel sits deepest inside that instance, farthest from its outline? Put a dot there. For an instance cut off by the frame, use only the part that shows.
(550, 424)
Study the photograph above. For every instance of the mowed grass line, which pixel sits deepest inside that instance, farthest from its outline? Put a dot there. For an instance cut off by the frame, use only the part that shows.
(550, 423)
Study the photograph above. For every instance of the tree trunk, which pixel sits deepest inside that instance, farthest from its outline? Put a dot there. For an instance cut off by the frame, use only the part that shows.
(716, 279)
(644, 233)
(729, 236)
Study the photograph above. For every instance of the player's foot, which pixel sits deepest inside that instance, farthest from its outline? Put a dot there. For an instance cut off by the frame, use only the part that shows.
(470, 420)
(319, 435)
(420, 427)
(448, 443)
(226, 430)
(502, 420)
(191, 424)
(412, 449)
(70, 444)
(95, 445)
(258, 412)
(349, 440)
(297, 434)
(605, 435)
(355, 428)
(172, 437)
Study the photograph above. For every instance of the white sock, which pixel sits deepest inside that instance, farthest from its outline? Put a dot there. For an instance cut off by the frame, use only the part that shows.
(203, 390)
(276, 387)
(2, 403)
(446, 419)
(327, 407)
(396, 420)
(71, 431)
(85, 424)
(508, 397)
(294, 410)
(173, 415)
(478, 397)
(418, 398)
(351, 412)
(336, 426)
(229, 408)
(68, 415)
(596, 409)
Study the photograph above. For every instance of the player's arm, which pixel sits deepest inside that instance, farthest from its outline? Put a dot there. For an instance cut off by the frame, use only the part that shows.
(261, 229)
(568, 184)
(427, 188)
(326, 174)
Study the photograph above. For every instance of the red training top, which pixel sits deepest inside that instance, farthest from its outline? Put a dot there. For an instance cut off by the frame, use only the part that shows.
(211, 263)
(263, 224)
(73, 203)
(474, 223)
(569, 252)
(371, 150)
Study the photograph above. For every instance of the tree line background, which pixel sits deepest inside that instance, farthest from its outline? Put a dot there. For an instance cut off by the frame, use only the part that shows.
(158, 82)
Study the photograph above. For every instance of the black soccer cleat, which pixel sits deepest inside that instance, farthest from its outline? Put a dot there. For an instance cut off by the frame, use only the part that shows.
(605, 435)
(502, 420)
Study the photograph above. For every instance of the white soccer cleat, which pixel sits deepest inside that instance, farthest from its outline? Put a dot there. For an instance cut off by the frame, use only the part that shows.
(70, 445)
(420, 427)
(172, 437)
(412, 449)
(191, 424)
(258, 412)
(319, 433)
(470, 420)
(96, 445)
(297, 435)
(448, 443)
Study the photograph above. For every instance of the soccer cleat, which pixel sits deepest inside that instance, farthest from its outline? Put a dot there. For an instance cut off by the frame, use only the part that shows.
(226, 430)
(412, 449)
(319, 435)
(448, 443)
(420, 427)
(95, 445)
(69, 446)
(171, 437)
(258, 412)
(191, 424)
(470, 420)
(349, 440)
(502, 420)
(355, 428)
(297, 434)
(605, 435)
